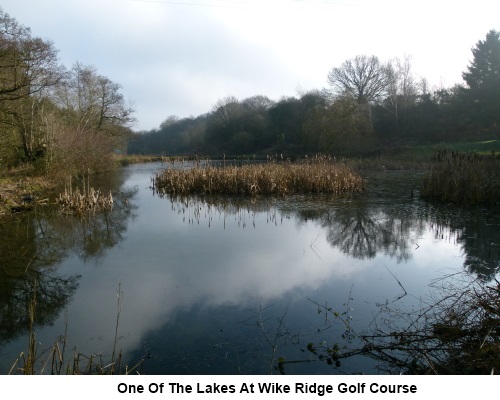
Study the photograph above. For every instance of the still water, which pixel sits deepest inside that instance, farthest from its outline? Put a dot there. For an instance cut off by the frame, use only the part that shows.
(228, 285)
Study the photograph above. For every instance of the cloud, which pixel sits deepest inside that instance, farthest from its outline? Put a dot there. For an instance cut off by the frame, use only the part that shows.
(180, 57)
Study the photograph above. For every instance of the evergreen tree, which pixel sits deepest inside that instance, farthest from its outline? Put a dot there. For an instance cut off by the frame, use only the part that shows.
(483, 81)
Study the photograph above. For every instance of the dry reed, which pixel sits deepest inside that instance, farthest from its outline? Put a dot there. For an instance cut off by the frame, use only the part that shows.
(89, 199)
(320, 176)
(466, 179)
(53, 360)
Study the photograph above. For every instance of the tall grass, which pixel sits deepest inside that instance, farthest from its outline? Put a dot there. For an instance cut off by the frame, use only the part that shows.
(55, 360)
(319, 176)
(465, 179)
(74, 201)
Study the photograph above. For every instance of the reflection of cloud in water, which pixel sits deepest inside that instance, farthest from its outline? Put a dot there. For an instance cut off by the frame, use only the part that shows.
(183, 269)
(434, 252)
(181, 255)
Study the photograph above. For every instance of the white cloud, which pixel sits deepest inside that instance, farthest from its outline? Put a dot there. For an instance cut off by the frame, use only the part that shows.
(179, 59)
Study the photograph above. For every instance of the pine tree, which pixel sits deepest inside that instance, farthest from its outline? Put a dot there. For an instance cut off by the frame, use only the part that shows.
(483, 81)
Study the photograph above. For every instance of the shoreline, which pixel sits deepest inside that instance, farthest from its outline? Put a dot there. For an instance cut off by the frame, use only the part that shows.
(18, 192)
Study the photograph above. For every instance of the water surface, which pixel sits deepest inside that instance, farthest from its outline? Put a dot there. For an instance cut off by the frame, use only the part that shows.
(226, 285)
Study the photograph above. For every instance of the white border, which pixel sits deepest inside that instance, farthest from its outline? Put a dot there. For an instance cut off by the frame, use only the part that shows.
(150, 386)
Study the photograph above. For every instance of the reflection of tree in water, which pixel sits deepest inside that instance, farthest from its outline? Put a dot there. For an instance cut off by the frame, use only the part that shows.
(354, 233)
(52, 294)
(31, 247)
(362, 232)
(363, 229)
(89, 237)
(28, 256)
(479, 237)
(358, 231)
(481, 245)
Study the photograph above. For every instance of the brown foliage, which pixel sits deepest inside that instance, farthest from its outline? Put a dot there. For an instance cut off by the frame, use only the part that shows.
(465, 179)
(260, 179)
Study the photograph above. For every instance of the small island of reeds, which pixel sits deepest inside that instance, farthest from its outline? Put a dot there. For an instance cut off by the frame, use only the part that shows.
(322, 175)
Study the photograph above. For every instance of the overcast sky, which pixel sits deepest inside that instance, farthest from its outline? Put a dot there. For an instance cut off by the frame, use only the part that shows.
(179, 57)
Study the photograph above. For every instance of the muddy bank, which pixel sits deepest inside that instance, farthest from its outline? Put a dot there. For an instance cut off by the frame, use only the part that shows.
(21, 193)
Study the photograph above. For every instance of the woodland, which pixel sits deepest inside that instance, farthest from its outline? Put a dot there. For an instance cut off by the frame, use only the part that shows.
(54, 117)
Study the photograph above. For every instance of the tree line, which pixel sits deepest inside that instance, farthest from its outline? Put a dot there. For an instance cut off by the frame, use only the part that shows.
(368, 105)
(52, 117)
(72, 120)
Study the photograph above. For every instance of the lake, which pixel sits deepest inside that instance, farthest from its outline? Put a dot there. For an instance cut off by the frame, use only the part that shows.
(229, 285)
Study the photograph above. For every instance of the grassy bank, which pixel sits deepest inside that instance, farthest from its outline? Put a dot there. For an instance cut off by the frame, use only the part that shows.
(123, 160)
(483, 147)
(426, 152)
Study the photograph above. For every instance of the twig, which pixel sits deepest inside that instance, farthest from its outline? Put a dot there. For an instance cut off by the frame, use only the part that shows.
(29, 263)
(399, 283)
(119, 297)
(313, 247)
(273, 342)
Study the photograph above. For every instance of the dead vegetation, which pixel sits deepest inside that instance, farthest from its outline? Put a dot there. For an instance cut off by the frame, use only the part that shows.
(454, 331)
(58, 360)
(463, 178)
(320, 175)
(22, 193)
(87, 200)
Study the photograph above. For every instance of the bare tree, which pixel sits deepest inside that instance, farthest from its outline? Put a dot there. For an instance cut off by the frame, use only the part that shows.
(402, 83)
(403, 91)
(258, 103)
(29, 68)
(225, 110)
(27, 64)
(93, 102)
(363, 77)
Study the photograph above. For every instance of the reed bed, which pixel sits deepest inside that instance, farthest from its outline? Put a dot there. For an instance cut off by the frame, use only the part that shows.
(463, 178)
(260, 179)
(88, 199)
